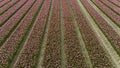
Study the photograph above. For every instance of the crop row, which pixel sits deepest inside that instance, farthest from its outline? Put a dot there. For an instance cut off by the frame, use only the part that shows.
(11, 47)
(112, 15)
(9, 13)
(10, 25)
(74, 55)
(4, 2)
(29, 54)
(7, 6)
(52, 51)
(113, 37)
(96, 52)
(115, 2)
(111, 6)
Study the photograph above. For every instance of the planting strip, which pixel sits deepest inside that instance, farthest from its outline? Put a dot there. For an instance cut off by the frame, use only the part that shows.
(112, 7)
(114, 17)
(8, 6)
(74, 55)
(27, 36)
(81, 41)
(108, 20)
(4, 3)
(52, 51)
(115, 2)
(2, 17)
(109, 32)
(103, 40)
(44, 39)
(11, 47)
(9, 30)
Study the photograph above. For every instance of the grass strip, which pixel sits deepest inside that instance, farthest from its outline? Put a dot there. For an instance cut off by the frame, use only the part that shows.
(62, 47)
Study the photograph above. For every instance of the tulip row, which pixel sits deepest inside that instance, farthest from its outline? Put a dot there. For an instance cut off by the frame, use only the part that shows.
(7, 6)
(111, 6)
(74, 54)
(96, 53)
(113, 37)
(29, 55)
(9, 13)
(53, 43)
(14, 43)
(112, 15)
(4, 2)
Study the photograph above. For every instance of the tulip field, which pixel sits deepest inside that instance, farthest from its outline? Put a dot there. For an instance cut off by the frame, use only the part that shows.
(59, 33)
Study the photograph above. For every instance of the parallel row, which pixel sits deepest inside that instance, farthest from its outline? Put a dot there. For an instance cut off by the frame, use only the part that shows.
(14, 43)
(106, 45)
(115, 2)
(96, 53)
(29, 54)
(112, 15)
(74, 55)
(56, 33)
(113, 37)
(52, 51)
(111, 6)
(10, 25)
(7, 6)
(4, 2)
(9, 13)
